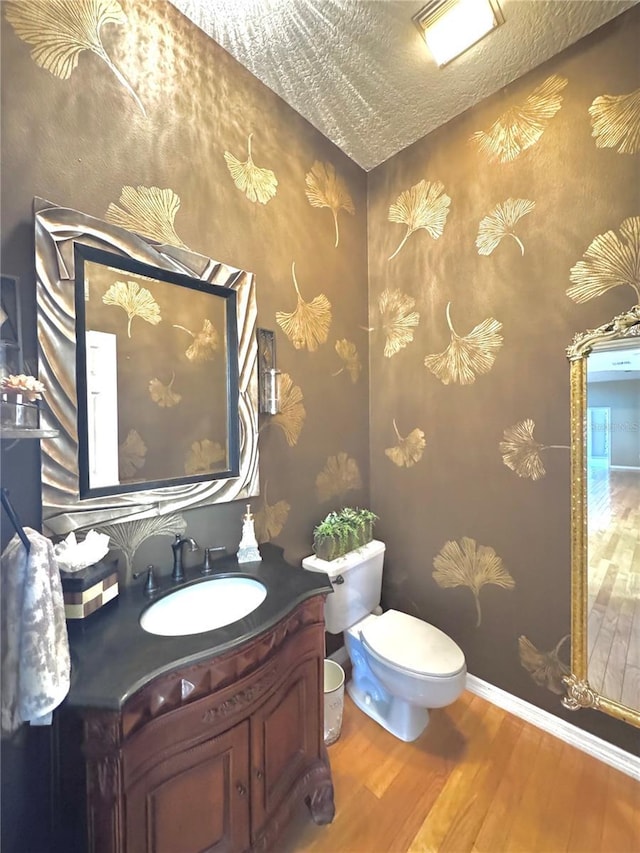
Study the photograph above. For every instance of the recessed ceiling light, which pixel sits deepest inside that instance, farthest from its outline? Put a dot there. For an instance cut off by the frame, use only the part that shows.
(450, 27)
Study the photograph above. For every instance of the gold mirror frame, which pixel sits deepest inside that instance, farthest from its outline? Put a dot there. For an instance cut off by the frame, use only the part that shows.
(580, 694)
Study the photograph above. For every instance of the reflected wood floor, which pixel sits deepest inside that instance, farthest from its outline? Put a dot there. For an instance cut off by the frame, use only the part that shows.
(613, 630)
(479, 780)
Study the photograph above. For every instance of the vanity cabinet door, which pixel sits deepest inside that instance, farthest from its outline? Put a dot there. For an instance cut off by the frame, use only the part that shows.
(196, 800)
(285, 740)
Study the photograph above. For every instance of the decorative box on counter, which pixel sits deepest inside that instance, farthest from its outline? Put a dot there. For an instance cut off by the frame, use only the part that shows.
(89, 589)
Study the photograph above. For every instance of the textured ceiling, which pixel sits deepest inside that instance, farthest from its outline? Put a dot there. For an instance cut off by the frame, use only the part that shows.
(360, 73)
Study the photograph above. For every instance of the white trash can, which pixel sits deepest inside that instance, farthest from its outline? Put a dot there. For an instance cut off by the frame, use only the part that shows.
(333, 700)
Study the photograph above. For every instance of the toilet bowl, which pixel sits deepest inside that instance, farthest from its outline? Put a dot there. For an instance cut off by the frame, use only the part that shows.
(402, 666)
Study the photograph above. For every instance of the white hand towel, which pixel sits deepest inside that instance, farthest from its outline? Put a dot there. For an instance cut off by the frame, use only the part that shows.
(35, 645)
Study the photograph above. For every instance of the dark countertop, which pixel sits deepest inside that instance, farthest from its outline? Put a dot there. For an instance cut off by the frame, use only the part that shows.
(112, 657)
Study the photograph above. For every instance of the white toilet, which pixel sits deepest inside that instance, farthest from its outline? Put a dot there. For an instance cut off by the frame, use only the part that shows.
(402, 666)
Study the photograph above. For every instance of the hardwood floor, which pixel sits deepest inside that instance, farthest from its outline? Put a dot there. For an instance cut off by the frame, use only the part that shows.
(613, 632)
(477, 780)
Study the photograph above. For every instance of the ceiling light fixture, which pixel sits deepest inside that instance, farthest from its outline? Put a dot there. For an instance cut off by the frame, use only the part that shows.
(450, 27)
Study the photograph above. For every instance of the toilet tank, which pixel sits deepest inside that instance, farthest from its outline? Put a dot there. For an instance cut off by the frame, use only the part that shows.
(357, 585)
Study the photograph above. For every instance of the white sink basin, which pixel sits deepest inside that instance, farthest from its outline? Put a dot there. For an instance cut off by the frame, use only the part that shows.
(203, 606)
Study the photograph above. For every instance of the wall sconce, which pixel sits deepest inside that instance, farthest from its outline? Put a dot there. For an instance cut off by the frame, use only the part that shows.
(268, 383)
(450, 27)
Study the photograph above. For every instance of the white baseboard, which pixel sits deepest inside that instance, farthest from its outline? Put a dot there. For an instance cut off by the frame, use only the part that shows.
(592, 745)
(604, 751)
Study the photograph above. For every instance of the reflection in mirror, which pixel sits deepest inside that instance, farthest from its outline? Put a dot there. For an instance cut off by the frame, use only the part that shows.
(605, 388)
(211, 368)
(156, 377)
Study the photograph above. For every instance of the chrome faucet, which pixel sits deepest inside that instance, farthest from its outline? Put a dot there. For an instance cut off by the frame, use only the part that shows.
(177, 574)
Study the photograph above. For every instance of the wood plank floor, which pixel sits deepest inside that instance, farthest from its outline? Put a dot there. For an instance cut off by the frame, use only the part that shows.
(614, 584)
(478, 780)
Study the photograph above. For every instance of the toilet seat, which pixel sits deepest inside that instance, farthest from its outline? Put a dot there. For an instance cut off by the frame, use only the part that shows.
(408, 644)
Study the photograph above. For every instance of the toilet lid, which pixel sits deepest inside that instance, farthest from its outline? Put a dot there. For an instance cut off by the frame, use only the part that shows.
(410, 644)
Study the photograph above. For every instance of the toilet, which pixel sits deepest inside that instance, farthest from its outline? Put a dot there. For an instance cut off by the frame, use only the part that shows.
(402, 666)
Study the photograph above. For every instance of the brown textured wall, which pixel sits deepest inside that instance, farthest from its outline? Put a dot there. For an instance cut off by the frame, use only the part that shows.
(497, 391)
(165, 107)
(79, 141)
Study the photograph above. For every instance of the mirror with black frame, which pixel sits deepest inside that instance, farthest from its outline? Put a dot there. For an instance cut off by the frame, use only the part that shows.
(605, 451)
(149, 361)
(156, 374)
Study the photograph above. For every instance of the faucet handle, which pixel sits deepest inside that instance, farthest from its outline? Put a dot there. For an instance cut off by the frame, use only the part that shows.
(206, 565)
(150, 585)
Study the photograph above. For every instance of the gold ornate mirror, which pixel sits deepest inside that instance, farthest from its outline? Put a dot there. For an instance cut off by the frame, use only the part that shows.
(605, 519)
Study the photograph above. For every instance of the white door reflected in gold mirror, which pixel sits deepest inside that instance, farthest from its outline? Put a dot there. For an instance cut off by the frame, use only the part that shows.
(605, 420)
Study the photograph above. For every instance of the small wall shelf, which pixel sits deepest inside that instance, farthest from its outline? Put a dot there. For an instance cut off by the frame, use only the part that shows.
(15, 433)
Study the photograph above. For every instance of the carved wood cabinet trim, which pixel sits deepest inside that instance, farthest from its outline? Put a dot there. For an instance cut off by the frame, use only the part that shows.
(275, 683)
(188, 684)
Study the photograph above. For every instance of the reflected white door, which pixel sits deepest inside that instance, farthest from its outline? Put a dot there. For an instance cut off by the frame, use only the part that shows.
(599, 435)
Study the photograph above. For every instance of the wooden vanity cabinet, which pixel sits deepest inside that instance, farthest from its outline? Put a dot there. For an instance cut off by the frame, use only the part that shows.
(217, 755)
(195, 800)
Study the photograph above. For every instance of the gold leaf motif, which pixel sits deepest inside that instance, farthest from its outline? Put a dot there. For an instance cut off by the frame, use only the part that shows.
(409, 450)
(610, 261)
(339, 476)
(425, 206)
(398, 320)
(149, 211)
(134, 300)
(349, 355)
(521, 452)
(257, 184)
(205, 342)
(128, 536)
(292, 413)
(500, 223)
(202, 457)
(164, 395)
(326, 189)
(522, 126)
(468, 564)
(546, 668)
(271, 518)
(60, 30)
(615, 120)
(131, 455)
(468, 356)
(309, 324)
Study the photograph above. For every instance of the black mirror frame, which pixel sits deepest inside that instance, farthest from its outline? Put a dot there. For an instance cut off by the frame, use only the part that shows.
(90, 253)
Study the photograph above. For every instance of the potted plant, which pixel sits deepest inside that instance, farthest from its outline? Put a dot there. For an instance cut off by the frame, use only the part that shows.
(343, 531)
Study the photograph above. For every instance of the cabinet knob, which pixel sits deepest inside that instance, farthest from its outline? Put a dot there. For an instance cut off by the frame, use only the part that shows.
(259, 774)
(240, 788)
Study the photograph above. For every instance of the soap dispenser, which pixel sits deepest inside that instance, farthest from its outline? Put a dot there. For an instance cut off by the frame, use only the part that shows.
(248, 549)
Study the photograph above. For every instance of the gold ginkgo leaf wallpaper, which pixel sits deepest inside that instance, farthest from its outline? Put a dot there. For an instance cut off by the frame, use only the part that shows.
(421, 310)
(500, 223)
(425, 206)
(522, 125)
(326, 189)
(190, 150)
(135, 301)
(257, 184)
(467, 356)
(541, 240)
(521, 452)
(308, 325)
(149, 211)
(616, 122)
(60, 31)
